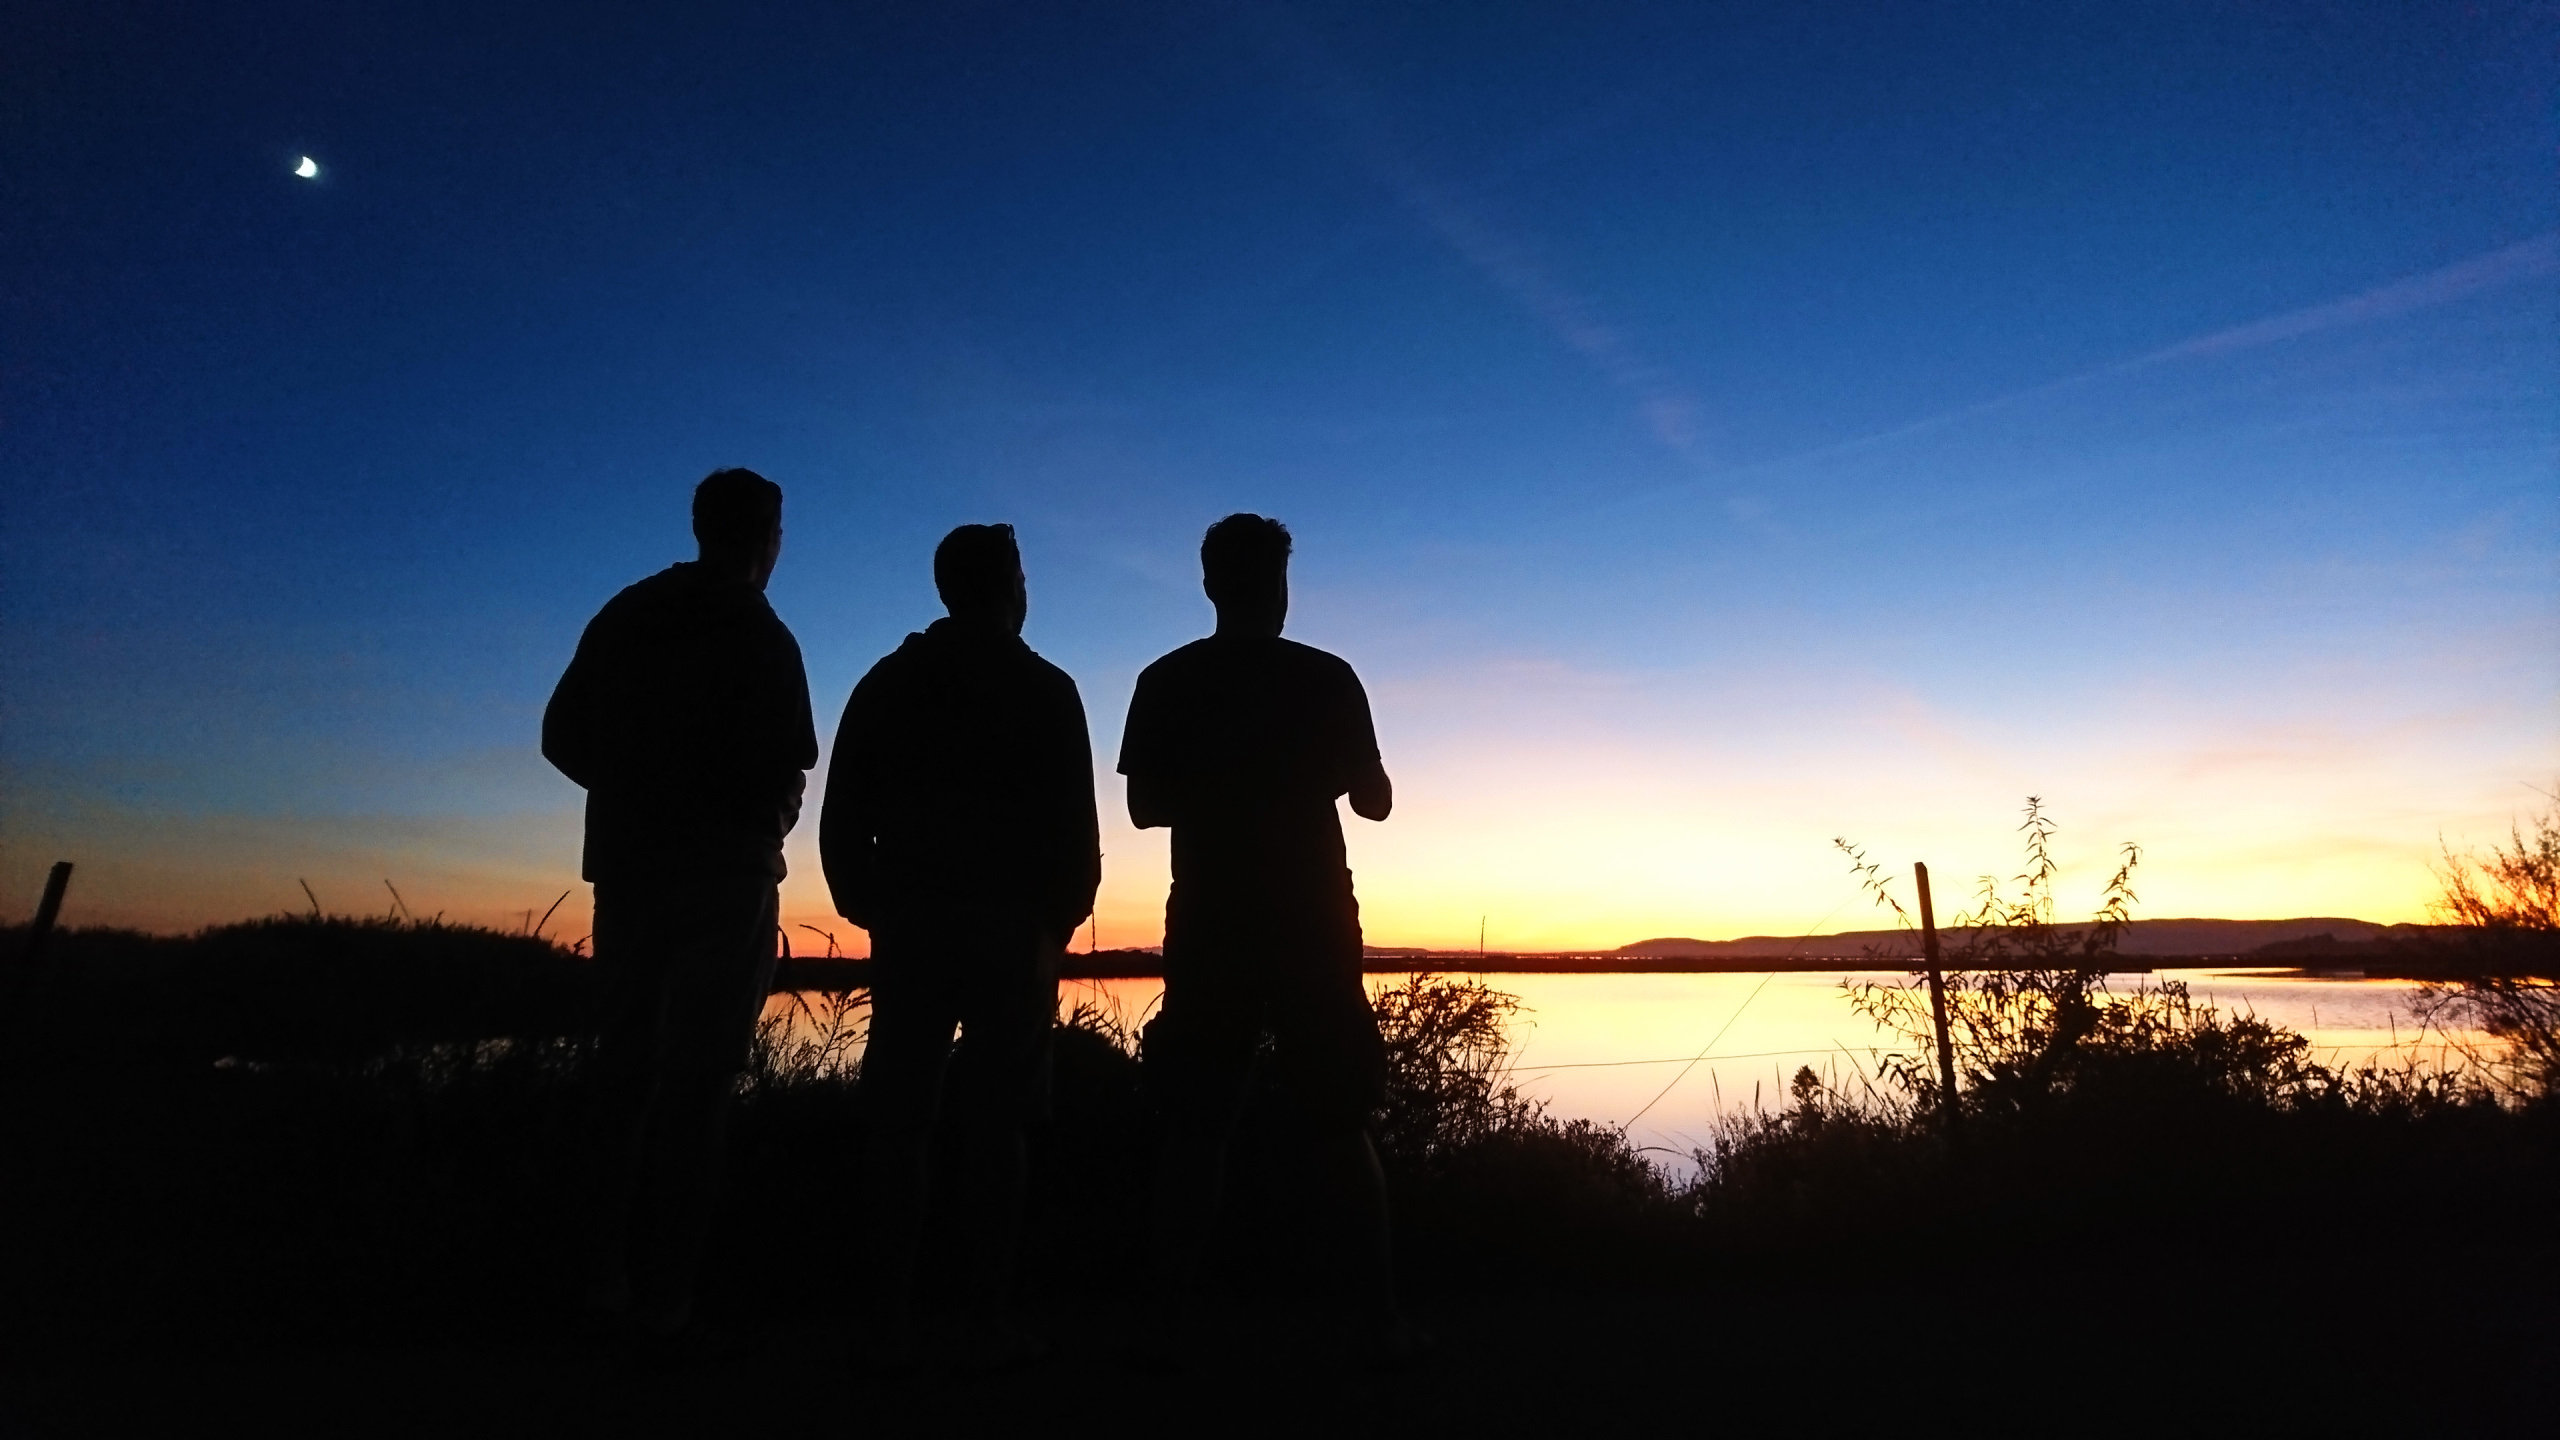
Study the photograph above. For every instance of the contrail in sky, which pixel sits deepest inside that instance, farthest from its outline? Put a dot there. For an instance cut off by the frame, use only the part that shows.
(1513, 267)
(1509, 263)
(2524, 260)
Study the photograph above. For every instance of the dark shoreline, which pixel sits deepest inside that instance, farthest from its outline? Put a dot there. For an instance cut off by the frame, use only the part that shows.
(854, 974)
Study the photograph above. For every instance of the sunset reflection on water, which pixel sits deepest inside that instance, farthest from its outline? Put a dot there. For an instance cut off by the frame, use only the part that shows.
(1621, 1048)
(1669, 1056)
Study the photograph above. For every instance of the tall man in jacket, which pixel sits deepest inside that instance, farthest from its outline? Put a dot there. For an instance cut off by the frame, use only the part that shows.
(959, 830)
(685, 715)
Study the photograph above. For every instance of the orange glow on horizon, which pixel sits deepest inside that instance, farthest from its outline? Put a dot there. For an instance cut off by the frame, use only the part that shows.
(1559, 838)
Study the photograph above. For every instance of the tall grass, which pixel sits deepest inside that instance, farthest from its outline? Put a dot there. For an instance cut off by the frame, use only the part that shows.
(805, 1041)
(2499, 955)
(2033, 1019)
(2079, 1106)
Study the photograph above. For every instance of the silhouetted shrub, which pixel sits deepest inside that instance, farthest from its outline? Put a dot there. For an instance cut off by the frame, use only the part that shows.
(2499, 954)
(1490, 1188)
(1448, 1050)
(2044, 1028)
(2078, 1107)
(312, 989)
(2023, 992)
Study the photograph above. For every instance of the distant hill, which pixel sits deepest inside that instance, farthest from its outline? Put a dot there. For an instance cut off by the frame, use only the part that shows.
(2312, 935)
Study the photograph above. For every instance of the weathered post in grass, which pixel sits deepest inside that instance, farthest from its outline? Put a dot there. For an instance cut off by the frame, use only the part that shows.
(33, 956)
(48, 909)
(1937, 998)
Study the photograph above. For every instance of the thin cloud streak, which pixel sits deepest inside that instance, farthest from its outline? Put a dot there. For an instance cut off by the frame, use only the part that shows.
(1510, 264)
(2524, 260)
(2513, 264)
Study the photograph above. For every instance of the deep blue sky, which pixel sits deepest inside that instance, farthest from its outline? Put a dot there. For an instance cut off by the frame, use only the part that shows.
(1710, 428)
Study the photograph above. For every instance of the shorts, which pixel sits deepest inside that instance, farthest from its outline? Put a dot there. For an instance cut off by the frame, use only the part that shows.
(1236, 975)
(999, 990)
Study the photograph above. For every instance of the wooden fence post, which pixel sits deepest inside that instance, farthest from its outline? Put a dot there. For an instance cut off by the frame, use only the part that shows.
(32, 958)
(1937, 998)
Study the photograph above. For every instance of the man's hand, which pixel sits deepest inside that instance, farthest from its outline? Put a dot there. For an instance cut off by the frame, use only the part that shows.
(1373, 795)
(853, 882)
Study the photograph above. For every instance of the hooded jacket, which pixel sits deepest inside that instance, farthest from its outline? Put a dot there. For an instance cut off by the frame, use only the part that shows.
(961, 790)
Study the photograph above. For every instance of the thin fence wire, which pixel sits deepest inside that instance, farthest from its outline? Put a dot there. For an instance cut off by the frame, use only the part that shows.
(2439, 1046)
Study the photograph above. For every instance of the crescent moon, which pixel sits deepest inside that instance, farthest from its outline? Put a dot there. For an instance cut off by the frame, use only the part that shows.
(308, 168)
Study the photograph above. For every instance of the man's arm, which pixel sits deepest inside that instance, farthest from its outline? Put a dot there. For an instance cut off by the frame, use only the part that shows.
(796, 738)
(848, 819)
(573, 724)
(1151, 800)
(1079, 858)
(1372, 794)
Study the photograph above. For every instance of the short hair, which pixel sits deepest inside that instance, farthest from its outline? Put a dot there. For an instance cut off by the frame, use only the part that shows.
(975, 565)
(1244, 549)
(735, 509)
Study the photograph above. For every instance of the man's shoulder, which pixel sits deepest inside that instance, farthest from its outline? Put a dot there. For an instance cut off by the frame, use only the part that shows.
(1310, 657)
(1179, 663)
(680, 593)
(635, 611)
(646, 592)
(1046, 674)
(892, 668)
(1212, 661)
(1317, 669)
(920, 661)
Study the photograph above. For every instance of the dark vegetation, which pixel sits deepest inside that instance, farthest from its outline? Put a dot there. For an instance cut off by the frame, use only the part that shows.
(2079, 1109)
(327, 1131)
(2495, 962)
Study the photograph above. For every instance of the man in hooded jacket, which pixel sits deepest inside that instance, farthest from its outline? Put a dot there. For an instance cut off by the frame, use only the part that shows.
(958, 828)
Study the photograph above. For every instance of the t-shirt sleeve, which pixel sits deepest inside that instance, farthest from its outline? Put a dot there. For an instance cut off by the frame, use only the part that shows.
(1354, 739)
(1142, 737)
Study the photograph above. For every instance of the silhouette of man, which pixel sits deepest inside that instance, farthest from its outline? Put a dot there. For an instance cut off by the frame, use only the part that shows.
(959, 830)
(1241, 742)
(685, 715)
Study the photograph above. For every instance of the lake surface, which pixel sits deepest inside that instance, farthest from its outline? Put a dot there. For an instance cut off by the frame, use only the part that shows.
(1629, 1047)
(1669, 1056)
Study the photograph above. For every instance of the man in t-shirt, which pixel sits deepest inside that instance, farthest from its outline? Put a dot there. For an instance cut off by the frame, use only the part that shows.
(1241, 742)
(685, 715)
(959, 830)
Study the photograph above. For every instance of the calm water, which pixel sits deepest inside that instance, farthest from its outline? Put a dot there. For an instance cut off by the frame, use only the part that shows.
(1668, 1055)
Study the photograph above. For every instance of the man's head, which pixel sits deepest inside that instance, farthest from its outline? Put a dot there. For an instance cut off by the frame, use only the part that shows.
(737, 520)
(1244, 565)
(978, 570)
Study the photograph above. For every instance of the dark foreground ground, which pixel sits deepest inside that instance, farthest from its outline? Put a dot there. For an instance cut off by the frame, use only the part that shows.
(248, 1292)
(369, 1232)
(183, 1260)
(2361, 1352)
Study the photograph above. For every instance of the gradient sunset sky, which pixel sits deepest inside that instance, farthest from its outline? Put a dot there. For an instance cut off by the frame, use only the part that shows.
(1709, 429)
